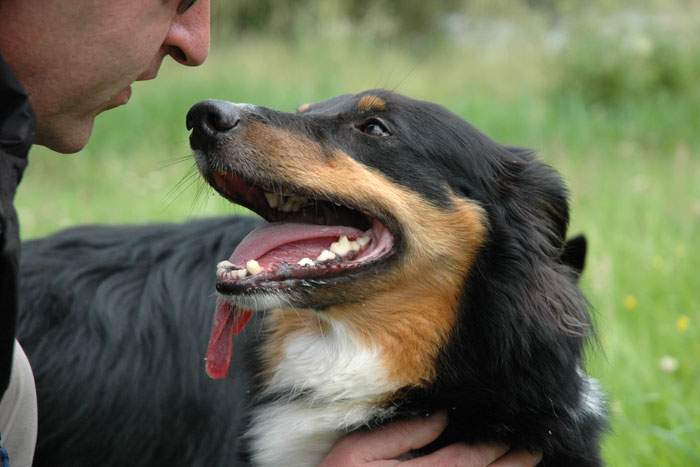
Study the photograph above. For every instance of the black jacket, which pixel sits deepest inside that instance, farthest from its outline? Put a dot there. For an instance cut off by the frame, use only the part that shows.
(16, 137)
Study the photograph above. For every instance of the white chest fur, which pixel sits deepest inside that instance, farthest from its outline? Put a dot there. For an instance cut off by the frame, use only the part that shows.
(330, 384)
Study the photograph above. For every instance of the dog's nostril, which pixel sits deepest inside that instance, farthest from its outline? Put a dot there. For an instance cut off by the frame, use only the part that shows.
(212, 117)
(223, 121)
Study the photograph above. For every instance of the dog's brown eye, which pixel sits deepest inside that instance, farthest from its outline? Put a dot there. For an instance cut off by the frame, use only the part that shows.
(374, 127)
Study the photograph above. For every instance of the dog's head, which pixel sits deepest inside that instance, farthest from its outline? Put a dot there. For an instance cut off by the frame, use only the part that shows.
(398, 219)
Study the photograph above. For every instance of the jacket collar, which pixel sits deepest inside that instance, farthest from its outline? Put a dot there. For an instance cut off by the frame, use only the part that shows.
(16, 115)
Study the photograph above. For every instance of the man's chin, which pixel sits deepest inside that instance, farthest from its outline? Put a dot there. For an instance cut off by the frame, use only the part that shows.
(65, 139)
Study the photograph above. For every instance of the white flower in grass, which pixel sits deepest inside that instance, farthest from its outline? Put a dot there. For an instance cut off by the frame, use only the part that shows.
(668, 364)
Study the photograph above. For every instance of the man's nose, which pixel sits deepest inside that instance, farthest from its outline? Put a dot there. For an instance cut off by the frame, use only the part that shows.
(189, 34)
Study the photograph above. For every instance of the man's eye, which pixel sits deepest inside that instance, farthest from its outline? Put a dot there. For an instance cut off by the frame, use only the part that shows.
(374, 127)
(185, 5)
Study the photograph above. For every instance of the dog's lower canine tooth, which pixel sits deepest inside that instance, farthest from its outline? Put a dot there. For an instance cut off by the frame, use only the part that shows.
(326, 255)
(253, 267)
(306, 262)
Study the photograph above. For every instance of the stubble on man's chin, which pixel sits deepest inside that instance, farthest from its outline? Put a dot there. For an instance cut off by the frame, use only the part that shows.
(65, 137)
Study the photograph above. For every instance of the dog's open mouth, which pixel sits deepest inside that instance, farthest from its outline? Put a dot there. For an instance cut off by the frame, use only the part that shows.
(306, 240)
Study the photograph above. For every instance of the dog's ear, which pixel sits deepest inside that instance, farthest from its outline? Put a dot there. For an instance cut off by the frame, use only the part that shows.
(521, 297)
(574, 253)
(537, 191)
(551, 198)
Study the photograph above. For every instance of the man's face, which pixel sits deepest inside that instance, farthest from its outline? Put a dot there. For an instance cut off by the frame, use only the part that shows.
(77, 58)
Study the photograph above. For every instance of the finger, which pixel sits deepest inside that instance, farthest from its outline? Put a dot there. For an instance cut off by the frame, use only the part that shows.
(519, 459)
(403, 436)
(387, 442)
(460, 455)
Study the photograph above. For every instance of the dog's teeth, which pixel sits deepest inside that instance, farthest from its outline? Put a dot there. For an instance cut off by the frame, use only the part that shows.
(253, 267)
(239, 273)
(292, 203)
(286, 205)
(285, 202)
(306, 262)
(224, 264)
(341, 247)
(231, 274)
(272, 199)
(363, 241)
(326, 255)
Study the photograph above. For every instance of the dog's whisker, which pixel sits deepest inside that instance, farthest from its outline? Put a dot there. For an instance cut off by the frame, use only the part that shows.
(183, 185)
(163, 164)
(201, 196)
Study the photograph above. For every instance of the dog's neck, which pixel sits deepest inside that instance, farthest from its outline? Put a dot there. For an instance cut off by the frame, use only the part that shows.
(320, 382)
(330, 372)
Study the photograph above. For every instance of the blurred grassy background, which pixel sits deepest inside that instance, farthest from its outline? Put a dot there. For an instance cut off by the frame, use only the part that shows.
(607, 93)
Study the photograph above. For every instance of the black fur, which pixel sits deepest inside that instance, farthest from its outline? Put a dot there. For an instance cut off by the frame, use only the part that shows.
(116, 320)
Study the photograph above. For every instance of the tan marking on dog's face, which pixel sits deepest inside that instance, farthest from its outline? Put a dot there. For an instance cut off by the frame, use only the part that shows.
(303, 108)
(410, 310)
(411, 318)
(370, 103)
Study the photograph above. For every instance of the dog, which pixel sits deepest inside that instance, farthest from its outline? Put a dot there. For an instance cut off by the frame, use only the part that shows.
(408, 264)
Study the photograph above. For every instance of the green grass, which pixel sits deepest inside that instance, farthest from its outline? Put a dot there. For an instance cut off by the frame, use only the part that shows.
(633, 169)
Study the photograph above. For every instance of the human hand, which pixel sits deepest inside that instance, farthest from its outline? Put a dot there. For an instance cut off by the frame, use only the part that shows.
(384, 447)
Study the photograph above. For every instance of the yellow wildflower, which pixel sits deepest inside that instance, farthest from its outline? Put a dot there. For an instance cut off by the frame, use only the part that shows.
(682, 323)
(630, 302)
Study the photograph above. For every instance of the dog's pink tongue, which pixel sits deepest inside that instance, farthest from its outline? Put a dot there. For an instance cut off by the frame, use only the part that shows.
(276, 242)
(229, 321)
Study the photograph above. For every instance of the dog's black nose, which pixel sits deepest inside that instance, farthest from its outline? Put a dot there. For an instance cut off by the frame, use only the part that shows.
(210, 118)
